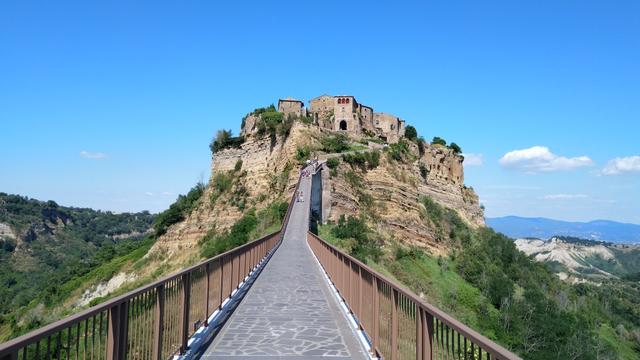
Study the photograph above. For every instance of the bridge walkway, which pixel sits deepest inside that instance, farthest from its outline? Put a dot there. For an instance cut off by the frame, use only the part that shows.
(289, 312)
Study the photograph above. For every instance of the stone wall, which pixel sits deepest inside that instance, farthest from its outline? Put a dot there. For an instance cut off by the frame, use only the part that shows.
(290, 106)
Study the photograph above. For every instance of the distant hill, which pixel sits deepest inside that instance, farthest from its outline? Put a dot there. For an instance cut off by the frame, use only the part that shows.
(584, 259)
(43, 246)
(543, 228)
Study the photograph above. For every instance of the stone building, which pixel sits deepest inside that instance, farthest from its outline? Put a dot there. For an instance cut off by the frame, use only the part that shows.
(344, 113)
(291, 106)
(340, 113)
(388, 126)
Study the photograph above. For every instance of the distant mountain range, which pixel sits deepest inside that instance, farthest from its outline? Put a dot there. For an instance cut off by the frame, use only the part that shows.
(543, 228)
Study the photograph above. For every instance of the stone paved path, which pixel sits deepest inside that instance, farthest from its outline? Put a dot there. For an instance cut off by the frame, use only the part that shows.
(289, 312)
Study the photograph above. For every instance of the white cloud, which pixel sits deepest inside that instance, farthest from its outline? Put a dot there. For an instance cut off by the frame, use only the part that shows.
(473, 159)
(564, 196)
(166, 193)
(541, 159)
(622, 165)
(149, 193)
(93, 155)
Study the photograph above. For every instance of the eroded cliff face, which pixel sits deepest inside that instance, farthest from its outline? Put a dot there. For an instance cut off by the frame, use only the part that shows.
(260, 171)
(266, 169)
(396, 188)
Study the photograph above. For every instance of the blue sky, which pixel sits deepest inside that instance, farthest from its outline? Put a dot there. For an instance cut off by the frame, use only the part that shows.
(112, 105)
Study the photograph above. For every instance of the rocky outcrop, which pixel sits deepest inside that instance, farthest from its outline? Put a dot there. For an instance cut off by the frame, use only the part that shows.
(396, 188)
(268, 171)
(265, 169)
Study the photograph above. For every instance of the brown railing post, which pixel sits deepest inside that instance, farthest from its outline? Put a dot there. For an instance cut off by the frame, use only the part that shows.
(117, 331)
(394, 324)
(376, 316)
(206, 294)
(221, 261)
(158, 326)
(427, 335)
(361, 283)
(419, 330)
(184, 314)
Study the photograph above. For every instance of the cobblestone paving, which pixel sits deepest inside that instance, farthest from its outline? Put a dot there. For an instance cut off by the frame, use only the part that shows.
(289, 312)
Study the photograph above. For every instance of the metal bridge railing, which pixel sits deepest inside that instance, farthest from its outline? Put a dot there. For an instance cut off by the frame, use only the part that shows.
(397, 322)
(154, 321)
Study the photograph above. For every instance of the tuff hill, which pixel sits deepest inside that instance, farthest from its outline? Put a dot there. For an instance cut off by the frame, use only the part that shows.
(381, 173)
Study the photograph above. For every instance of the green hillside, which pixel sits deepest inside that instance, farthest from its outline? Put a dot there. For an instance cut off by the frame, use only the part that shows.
(491, 286)
(51, 245)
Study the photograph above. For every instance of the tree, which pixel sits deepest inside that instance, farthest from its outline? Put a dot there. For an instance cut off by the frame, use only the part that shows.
(222, 137)
(456, 149)
(411, 133)
(438, 141)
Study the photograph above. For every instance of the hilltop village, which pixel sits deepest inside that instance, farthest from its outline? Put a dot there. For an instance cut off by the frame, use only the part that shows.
(376, 165)
(341, 113)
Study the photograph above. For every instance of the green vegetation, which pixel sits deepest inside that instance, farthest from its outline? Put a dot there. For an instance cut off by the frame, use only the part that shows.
(280, 179)
(353, 235)
(411, 133)
(335, 143)
(272, 122)
(179, 210)
(230, 182)
(333, 163)
(250, 227)
(224, 139)
(400, 151)
(57, 244)
(494, 288)
(363, 160)
(438, 141)
(453, 146)
(302, 154)
(456, 149)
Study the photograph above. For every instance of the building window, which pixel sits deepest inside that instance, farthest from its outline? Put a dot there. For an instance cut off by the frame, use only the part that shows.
(343, 125)
(347, 99)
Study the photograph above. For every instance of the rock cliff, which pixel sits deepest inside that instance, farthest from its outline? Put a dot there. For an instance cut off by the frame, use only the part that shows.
(265, 168)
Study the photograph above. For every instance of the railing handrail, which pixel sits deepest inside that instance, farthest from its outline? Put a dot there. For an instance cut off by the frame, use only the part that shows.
(486, 343)
(84, 314)
(49, 329)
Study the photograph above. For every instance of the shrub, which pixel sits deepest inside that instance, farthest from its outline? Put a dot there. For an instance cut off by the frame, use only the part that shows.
(252, 225)
(366, 160)
(335, 143)
(355, 159)
(284, 128)
(238, 166)
(411, 133)
(238, 235)
(456, 149)
(357, 229)
(438, 141)
(373, 159)
(399, 151)
(224, 139)
(222, 182)
(306, 119)
(178, 210)
(333, 163)
(302, 153)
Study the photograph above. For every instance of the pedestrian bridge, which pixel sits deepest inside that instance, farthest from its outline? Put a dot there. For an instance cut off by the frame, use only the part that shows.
(288, 295)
